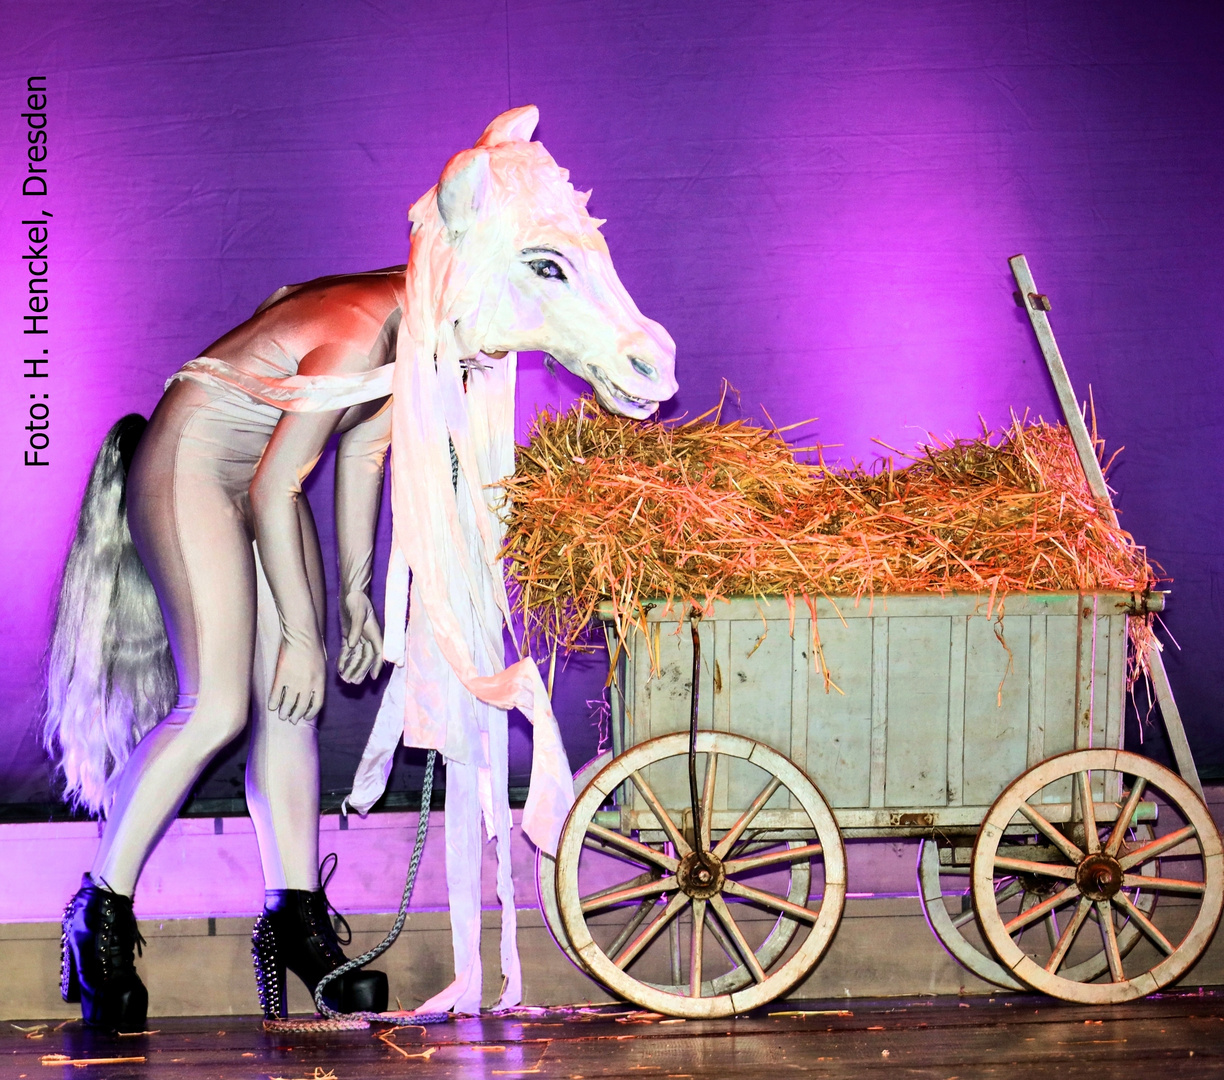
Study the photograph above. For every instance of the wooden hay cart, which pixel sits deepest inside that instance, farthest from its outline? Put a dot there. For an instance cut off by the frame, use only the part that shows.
(702, 870)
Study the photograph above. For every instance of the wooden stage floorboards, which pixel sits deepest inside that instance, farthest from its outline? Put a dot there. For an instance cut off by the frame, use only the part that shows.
(1164, 1038)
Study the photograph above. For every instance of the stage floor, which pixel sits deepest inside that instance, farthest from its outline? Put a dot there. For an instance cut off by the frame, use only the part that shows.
(1173, 1036)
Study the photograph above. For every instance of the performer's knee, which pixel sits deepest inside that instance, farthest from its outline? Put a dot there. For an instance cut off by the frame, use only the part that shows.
(209, 720)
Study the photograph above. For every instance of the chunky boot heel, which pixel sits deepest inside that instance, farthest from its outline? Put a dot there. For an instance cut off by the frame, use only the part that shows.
(295, 933)
(269, 970)
(98, 968)
(70, 983)
(118, 1007)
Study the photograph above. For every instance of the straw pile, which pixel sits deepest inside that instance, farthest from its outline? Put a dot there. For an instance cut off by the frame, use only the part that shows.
(603, 508)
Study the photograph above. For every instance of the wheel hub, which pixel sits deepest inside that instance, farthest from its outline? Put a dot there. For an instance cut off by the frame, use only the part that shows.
(701, 874)
(1099, 877)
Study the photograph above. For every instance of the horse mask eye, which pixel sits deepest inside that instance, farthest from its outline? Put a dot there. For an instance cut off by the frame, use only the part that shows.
(547, 269)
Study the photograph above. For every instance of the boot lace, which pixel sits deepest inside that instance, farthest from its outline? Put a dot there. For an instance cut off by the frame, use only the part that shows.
(326, 869)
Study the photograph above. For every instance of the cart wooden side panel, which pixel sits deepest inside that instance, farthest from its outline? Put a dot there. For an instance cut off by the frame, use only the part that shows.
(932, 708)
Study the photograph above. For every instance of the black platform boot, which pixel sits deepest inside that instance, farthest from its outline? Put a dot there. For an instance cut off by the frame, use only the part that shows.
(295, 932)
(98, 959)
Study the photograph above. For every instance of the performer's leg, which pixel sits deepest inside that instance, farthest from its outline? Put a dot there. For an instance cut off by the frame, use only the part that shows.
(194, 543)
(282, 771)
(295, 930)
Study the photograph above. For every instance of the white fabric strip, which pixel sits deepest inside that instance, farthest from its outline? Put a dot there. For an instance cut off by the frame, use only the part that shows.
(294, 393)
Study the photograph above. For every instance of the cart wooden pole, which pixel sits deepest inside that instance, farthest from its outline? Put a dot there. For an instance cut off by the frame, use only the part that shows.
(1036, 305)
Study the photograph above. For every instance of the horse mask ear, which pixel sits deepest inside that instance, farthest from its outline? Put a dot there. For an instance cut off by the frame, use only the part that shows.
(514, 125)
(462, 190)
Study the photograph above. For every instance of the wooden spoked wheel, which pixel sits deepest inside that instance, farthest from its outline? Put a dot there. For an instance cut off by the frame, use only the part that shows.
(775, 943)
(657, 925)
(546, 869)
(947, 904)
(947, 901)
(1084, 866)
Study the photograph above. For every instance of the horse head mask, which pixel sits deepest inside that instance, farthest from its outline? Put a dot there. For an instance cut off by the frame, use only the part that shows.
(519, 265)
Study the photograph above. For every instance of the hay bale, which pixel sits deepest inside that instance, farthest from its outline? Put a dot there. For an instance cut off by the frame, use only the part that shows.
(604, 508)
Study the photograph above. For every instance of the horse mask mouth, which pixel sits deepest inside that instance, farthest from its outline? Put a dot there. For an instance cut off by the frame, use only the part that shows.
(617, 400)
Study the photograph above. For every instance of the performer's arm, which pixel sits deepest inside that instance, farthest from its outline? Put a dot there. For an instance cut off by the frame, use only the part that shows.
(359, 478)
(293, 450)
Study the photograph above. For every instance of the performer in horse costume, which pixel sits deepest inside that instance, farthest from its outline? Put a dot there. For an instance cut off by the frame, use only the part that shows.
(504, 258)
(212, 472)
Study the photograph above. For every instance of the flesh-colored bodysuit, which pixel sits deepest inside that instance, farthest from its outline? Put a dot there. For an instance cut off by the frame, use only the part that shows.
(217, 515)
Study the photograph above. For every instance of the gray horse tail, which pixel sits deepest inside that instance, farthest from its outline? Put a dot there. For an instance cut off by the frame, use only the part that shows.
(110, 675)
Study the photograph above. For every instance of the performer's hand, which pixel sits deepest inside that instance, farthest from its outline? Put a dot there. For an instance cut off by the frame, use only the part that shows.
(297, 689)
(361, 653)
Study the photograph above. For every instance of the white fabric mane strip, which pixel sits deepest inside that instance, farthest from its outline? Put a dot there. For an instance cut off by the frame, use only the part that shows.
(294, 393)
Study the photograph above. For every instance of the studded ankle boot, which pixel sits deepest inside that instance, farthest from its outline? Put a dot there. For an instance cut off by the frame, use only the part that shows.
(295, 933)
(98, 959)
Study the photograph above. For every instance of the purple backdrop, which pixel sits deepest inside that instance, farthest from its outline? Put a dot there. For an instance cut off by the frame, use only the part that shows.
(817, 200)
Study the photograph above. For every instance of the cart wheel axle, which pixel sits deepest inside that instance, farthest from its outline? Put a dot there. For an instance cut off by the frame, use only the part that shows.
(1099, 877)
(701, 874)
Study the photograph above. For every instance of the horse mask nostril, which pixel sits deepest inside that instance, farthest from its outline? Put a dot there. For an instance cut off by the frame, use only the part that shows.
(641, 367)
